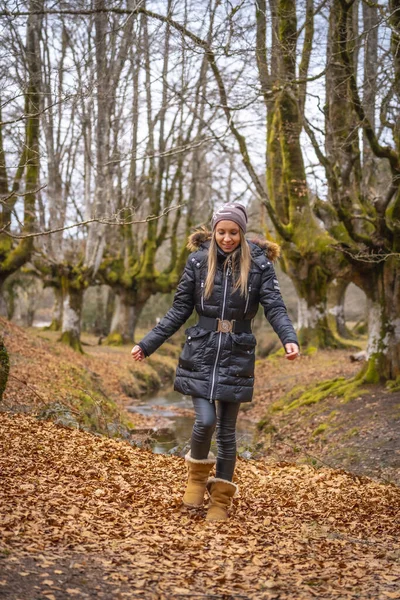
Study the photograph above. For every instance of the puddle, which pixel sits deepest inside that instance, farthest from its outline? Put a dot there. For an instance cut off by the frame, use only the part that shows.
(178, 434)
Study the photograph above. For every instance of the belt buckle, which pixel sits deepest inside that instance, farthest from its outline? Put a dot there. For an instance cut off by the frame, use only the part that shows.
(225, 326)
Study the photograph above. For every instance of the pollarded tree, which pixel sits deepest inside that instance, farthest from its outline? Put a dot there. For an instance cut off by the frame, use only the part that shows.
(371, 217)
(309, 256)
(174, 168)
(376, 256)
(23, 188)
(78, 131)
(14, 255)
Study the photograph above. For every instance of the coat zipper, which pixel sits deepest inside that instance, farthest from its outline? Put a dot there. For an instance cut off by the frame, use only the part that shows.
(219, 339)
(247, 301)
(202, 295)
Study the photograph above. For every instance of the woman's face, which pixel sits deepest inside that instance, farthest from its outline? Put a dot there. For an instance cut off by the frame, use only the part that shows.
(227, 235)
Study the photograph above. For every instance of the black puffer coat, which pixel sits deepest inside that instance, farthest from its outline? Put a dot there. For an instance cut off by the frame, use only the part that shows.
(216, 365)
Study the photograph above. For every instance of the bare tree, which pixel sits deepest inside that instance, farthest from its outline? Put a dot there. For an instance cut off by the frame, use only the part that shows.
(24, 186)
(366, 225)
(173, 167)
(13, 256)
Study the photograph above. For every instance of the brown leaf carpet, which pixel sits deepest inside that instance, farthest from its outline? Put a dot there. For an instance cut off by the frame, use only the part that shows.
(294, 532)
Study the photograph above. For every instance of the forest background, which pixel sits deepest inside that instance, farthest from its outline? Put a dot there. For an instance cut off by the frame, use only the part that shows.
(125, 124)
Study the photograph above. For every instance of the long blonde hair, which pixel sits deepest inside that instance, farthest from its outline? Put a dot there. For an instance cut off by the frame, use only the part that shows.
(241, 261)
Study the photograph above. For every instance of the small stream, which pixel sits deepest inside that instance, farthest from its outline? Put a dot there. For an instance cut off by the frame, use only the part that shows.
(178, 434)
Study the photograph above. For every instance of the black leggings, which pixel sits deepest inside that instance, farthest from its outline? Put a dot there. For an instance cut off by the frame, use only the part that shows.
(224, 416)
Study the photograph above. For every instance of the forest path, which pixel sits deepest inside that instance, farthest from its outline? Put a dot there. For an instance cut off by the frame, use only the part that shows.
(362, 436)
(85, 516)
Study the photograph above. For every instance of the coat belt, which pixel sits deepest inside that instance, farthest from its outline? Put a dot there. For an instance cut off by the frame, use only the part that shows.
(224, 325)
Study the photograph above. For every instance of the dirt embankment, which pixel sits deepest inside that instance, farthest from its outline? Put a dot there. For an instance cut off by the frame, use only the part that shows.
(359, 432)
(90, 390)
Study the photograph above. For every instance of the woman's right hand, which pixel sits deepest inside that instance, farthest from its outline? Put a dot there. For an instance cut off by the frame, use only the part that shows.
(137, 353)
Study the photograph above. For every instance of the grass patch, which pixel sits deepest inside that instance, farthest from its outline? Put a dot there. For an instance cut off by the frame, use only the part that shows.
(351, 433)
(266, 426)
(320, 429)
(347, 389)
(394, 384)
(278, 354)
(114, 339)
(310, 350)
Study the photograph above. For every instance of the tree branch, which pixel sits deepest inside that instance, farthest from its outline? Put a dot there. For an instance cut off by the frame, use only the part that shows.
(114, 220)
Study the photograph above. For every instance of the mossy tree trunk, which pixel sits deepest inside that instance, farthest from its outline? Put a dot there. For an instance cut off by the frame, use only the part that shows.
(4, 367)
(336, 313)
(127, 310)
(73, 286)
(382, 287)
(313, 324)
(13, 256)
(111, 54)
(131, 267)
(308, 257)
(372, 223)
(57, 311)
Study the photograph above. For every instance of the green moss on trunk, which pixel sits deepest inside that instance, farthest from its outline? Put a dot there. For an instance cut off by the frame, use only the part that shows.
(115, 339)
(55, 325)
(4, 367)
(72, 340)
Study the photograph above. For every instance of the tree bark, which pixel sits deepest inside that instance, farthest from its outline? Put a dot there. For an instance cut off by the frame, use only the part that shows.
(127, 310)
(370, 20)
(383, 351)
(3, 303)
(377, 232)
(12, 257)
(308, 258)
(313, 324)
(4, 367)
(57, 312)
(336, 315)
(72, 313)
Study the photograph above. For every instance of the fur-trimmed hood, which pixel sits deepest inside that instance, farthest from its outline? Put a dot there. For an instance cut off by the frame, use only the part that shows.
(203, 235)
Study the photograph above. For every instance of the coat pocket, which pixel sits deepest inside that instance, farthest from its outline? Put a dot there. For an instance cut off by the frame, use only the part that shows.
(243, 355)
(193, 349)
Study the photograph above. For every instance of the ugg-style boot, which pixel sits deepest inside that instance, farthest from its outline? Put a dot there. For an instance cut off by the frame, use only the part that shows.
(198, 472)
(221, 491)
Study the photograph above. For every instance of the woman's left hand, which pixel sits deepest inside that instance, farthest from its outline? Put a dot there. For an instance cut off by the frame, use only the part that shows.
(292, 351)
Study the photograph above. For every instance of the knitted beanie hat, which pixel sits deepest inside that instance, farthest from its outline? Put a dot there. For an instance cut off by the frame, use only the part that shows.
(231, 212)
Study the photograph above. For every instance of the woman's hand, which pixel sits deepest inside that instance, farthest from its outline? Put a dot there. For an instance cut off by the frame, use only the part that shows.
(137, 353)
(292, 351)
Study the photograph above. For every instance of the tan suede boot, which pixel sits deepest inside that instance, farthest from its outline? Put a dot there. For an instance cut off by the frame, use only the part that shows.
(198, 472)
(221, 492)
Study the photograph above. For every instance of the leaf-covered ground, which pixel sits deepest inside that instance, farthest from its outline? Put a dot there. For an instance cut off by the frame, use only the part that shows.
(362, 436)
(85, 516)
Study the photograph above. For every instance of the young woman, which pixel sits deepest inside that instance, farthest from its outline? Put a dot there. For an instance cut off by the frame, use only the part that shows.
(225, 279)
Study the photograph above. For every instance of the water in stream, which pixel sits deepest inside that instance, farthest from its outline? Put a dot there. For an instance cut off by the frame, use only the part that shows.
(181, 426)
